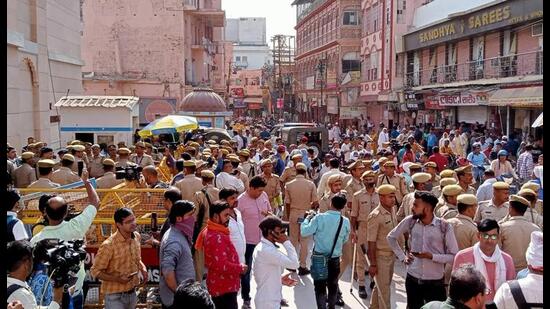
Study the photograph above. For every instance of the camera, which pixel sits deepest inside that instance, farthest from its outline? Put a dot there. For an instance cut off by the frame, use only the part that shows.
(62, 257)
(129, 172)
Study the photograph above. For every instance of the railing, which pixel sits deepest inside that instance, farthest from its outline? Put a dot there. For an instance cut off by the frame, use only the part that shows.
(497, 67)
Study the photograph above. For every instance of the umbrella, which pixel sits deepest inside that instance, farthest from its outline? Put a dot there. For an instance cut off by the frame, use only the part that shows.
(538, 122)
(169, 124)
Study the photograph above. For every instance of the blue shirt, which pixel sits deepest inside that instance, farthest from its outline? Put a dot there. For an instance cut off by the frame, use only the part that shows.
(477, 159)
(323, 228)
(432, 140)
(279, 165)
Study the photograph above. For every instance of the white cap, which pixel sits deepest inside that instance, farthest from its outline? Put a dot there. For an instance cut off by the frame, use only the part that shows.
(533, 255)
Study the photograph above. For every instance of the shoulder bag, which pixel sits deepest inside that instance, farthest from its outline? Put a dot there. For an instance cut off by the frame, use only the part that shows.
(319, 261)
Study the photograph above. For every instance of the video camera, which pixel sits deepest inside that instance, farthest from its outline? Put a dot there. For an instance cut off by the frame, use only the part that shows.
(395, 146)
(129, 173)
(62, 257)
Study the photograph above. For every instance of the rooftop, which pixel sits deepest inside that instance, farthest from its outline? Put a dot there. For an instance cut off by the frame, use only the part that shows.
(98, 101)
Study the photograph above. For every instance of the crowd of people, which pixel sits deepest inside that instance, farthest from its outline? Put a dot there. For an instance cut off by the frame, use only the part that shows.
(462, 209)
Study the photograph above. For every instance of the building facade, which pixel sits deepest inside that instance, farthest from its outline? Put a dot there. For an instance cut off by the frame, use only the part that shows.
(250, 49)
(482, 64)
(327, 61)
(43, 64)
(246, 93)
(156, 50)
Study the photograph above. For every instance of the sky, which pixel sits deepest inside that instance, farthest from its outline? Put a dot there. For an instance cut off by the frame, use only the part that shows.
(280, 15)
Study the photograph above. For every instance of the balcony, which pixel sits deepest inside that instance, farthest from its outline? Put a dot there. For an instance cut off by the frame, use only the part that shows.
(308, 7)
(210, 11)
(190, 5)
(498, 67)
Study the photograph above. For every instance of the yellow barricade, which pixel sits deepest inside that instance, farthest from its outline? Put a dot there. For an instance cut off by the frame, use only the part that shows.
(143, 202)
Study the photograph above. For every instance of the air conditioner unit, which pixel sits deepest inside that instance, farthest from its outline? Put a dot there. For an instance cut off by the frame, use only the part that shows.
(536, 29)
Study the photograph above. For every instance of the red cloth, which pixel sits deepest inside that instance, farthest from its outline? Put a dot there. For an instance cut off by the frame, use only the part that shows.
(222, 261)
(440, 160)
(408, 157)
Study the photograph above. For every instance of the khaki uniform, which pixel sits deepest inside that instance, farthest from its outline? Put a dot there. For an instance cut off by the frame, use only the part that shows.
(242, 176)
(465, 231)
(201, 203)
(325, 201)
(470, 190)
(23, 176)
(64, 176)
(398, 182)
(288, 174)
(488, 210)
(299, 194)
(362, 204)
(406, 206)
(43, 183)
(249, 168)
(436, 191)
(530, 215)
(435, 181)
(95, 167)
(353, 186)
(188, 186)
(143, 161)
(124, 163)
(379, 224)
(515, 236)
(273, 189)
(84, 159)
(108, 180)
(447, 211)
(538, 207)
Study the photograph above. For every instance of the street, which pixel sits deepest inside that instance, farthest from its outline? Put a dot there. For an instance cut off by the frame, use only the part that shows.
(303, 295)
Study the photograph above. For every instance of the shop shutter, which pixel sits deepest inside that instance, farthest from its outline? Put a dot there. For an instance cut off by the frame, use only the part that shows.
(471, 114)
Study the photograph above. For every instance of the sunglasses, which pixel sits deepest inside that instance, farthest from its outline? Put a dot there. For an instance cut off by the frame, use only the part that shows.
(487, 236)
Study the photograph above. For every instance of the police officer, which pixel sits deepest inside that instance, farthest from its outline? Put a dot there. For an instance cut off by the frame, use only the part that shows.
(190, 183)
(516, 232)
(390, 177)
(431, 168)
(123, 161)
(290, 172)
(108, 180)
(449, 209)
(463, 224)
(531, 214)
(25, 174)
(437, 190)
(235, 161)
(95, 167)
(380, 222)
(497, 207)
(419, 181)
(535, 187)
(300, 196)
(64, 175)
(273, 187)
(465, 178)
(45, 168)
(363, 202)
(249, 167)
(140, 157)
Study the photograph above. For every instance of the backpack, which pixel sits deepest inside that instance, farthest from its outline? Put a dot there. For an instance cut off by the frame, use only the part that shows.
(10, 224)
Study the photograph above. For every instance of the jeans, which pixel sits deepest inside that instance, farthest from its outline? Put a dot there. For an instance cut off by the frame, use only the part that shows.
(78, 301)
(245, 279)
(420, 292)
(331, 283)
(226, 301)
(124, 300)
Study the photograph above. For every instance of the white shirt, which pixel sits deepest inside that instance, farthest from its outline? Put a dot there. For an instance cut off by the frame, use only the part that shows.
(18, 231)
(236, 233)
(383, 138)
(324, 168)
(26, 297)
(76, 228)
(531, 286)
(240, 142)
(346, 149)
(267, 267)
(322, 188)
(485, 191)
(225, 180)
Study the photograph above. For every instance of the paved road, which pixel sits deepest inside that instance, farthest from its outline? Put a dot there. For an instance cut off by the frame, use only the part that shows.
(303, 295)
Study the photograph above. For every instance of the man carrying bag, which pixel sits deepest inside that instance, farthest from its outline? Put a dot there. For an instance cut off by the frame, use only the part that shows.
(330, 231)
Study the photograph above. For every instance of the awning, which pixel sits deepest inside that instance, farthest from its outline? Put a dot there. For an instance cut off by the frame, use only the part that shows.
(517, 97)
(538, 122)
(253, 100)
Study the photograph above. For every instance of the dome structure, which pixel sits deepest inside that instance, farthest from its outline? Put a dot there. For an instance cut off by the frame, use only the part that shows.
(202, 99)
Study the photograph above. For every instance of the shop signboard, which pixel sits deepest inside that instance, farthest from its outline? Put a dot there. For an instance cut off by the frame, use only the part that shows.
(351, 112)
(331, 79)
(310, 82)
(332, 105)
(238, 103)
(464, 98)
(237, 92)
(432, 102)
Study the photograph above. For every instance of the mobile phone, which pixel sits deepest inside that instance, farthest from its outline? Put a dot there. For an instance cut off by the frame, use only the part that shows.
(300, 220)
(80, 165)
(154, 222)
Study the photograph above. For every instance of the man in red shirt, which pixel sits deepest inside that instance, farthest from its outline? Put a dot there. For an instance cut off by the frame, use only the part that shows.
(439, 159)
(220, 258)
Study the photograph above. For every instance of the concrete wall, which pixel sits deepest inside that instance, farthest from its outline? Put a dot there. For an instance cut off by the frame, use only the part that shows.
(257, 55)
(246, 30)
(43, 44)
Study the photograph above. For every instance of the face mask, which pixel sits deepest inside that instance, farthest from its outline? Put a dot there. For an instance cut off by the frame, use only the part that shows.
(56, 214)
(186, 226)
(370, 184)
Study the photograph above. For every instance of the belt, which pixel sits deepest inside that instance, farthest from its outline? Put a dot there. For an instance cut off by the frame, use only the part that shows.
(384, 253)
(133, 290)
(422, 281)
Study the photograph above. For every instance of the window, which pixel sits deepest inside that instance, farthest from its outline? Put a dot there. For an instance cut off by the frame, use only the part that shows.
(237, 58)
(372, 23)
(351, 18)
(245, 59)
(351, 62)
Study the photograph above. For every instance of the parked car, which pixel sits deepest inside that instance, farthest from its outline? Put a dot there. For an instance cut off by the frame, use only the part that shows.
(275, 132)
(317, 138)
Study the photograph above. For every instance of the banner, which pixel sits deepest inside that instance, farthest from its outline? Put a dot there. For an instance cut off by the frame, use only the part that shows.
(238, 103)
(332, 105)
(351, 112)
(149, 257)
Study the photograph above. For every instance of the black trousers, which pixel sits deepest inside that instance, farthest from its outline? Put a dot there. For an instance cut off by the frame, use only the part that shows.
(420, 292)
(226, 301)
(331, 284)
(245, 279)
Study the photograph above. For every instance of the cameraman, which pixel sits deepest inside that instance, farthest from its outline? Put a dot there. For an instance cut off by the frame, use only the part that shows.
(76, 228)
(19, 267)
(150, 175)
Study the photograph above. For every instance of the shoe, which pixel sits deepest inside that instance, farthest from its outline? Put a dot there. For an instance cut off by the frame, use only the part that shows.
(362, 292)
(302, 271)
(291, 270)
(372, 285)
(284, 303)
(340, 301)
(246, 305)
